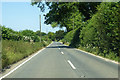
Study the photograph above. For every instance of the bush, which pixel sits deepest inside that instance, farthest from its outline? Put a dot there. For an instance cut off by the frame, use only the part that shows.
(9, 34)
(68, 37)
(102, 31)
(13, 51)
(101, 34)
(76, 40)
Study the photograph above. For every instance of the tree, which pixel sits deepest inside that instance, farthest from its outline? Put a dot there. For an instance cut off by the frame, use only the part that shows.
(30, 35)
(38, 33)
(27, 33)
(35, 38)
(59, 35)
(60, 12)
(10, 34)
(103, 30)
(51, 35)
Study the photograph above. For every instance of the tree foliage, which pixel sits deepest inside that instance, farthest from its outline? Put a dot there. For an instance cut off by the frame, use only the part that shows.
(26, 35)
(101, 33)
(38, 33)
(59, 35)
(9, 34)
(61, 14)
(51, 35)
(103, 30)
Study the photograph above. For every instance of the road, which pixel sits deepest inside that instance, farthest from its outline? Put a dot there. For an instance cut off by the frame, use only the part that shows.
(60, 61)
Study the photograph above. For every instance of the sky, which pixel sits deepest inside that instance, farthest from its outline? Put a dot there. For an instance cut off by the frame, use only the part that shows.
(21, 15)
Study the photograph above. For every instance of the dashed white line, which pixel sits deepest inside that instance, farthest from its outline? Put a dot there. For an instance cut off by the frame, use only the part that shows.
(58, 48)
(71, 64)
(62, 52)
(82, 76)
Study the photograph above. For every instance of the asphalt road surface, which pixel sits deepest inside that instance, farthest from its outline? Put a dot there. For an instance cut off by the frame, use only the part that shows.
(60, 61)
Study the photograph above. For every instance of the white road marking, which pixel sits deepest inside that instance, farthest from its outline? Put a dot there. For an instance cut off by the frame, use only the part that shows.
(59, 48)
(71, 64)
(22, 63)
(62, 52)
(108, 60)
(82, 76)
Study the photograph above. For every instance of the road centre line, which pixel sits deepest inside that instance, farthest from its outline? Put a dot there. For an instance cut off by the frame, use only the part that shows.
(62, 52)
(107, 60)
(71, 64)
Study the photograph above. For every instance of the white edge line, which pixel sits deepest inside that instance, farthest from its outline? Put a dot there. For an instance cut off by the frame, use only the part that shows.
(108, 60)
(20, 65)
(23, 63)
(71, 64)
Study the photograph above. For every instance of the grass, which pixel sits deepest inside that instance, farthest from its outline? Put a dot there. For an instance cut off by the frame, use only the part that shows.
(95, 51)
(111, 55)
(13, 51)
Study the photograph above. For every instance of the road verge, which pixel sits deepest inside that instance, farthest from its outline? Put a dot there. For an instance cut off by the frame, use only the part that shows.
(106, 59)
(15, 66)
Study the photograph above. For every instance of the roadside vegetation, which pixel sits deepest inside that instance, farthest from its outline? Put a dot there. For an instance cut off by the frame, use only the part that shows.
(93, 27)
(19, 45)
(99, 35)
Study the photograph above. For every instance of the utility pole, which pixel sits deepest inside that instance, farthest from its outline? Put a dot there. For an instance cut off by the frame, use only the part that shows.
(40, 27)
(73, 22)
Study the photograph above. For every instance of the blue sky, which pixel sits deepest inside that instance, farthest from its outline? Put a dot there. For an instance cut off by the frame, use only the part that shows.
(21, 15)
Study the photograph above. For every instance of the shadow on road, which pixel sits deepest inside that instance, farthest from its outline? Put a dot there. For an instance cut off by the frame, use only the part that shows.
(59, 47)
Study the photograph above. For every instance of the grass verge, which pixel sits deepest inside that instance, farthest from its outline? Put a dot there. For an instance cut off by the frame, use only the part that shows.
(14, 51)
(95, 51)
